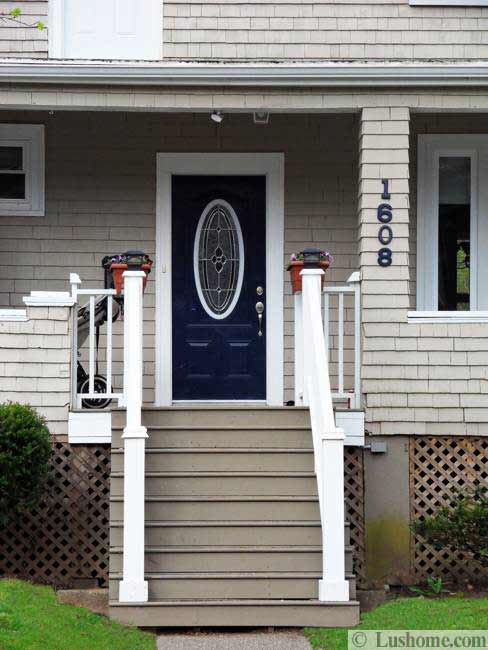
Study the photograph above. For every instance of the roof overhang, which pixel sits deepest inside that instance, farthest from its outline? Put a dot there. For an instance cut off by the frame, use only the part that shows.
(327, 75)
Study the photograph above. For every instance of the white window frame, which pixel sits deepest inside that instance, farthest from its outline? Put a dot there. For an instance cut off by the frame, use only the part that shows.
(430, 149)
(448, 3)
(56, 32)
(31, 138)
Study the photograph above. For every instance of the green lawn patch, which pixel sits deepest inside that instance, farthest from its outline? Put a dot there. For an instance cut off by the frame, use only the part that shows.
(32, 619)
(452, 613)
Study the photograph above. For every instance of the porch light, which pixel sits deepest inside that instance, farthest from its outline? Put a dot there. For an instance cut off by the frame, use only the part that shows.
(261, 117)
(217, 116)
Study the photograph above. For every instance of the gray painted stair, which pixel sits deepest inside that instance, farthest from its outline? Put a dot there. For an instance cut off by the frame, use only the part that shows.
(233, 531)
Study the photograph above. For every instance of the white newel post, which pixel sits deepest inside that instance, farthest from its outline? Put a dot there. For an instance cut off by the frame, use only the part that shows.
(133, 588)
(299, 387)
(328, 442)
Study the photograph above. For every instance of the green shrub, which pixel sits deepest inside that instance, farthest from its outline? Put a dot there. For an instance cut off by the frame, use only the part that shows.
(462, 525)
(25, 448)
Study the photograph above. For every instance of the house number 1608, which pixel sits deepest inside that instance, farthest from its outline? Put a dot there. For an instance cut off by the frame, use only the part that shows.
(385, 233)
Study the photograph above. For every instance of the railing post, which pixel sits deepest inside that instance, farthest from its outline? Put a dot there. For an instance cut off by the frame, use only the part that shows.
(333, 585)
(133, 587)
(75, 282)
(328, 442)
(355, 281)
(299, 350)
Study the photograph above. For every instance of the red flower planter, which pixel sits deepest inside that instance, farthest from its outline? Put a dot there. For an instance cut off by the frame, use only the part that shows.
(296, 279)
(117, 271)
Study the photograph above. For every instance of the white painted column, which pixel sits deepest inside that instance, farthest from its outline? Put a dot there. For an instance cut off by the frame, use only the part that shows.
(133, 588)
(328, 443)
(299, 387)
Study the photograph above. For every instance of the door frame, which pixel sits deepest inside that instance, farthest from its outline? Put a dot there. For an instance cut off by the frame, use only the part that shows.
(270, 165)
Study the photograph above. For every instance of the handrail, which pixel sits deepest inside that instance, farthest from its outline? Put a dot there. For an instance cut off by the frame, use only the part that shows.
(328, 441)
(94, 392)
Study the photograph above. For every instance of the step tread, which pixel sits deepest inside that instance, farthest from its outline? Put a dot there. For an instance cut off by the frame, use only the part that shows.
(217, 474)
(217, 498)
(238, 603)
(230, 428)
(231, 575)
(231, 549)
(223, 450)
(223, 523)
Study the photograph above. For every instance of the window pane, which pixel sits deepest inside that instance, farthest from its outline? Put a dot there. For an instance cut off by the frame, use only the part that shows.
(454, 232)
(11, 158)
(12, 186)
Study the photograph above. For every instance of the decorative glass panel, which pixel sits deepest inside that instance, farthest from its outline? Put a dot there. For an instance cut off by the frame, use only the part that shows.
(218, 259)
(454, 232)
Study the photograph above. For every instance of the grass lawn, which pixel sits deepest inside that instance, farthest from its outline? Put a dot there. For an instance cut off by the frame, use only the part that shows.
(32, 619)
(453, 613)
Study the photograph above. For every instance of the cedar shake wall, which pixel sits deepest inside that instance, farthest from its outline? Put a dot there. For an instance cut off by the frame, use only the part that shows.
(300, 30)
(101, 191)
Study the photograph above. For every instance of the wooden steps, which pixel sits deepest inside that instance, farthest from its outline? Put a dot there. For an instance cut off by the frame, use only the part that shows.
(233, 532)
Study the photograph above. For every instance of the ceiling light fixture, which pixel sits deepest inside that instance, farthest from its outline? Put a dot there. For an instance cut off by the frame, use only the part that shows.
(217, 117)
(261, 117)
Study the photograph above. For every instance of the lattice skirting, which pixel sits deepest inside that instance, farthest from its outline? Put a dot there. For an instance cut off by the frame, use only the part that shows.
(66, 538)
(437, 466)
(354, 495)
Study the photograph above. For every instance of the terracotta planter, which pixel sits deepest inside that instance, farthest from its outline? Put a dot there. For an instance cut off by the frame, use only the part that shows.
(296, 279)
(117, 271)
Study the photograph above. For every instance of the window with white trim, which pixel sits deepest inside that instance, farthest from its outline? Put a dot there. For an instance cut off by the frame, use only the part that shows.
(22, 170)
(106, 29)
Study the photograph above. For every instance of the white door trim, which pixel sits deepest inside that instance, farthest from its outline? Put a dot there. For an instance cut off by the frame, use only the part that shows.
(270, 165)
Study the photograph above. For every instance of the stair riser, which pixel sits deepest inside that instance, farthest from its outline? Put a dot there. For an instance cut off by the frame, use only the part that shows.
(222, 462)
(228, 485)
(226, 438)
(219, 417)
(228, 588)
(228, 511)
(228, 536)
(233, 562)
(213, 615)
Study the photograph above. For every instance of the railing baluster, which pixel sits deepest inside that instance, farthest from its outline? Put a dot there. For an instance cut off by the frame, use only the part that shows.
(327, 323)
(109, 344)
(91, 361)
(357, 345)
(340, 343)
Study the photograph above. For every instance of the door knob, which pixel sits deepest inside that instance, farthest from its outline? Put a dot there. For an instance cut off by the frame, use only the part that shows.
(259, 311)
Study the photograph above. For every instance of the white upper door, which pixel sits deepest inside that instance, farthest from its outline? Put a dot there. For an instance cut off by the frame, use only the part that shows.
(107, 29)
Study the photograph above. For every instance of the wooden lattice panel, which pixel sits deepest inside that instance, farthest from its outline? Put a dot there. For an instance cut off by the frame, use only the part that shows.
(437, 467)
(354, 495)
(66, 537)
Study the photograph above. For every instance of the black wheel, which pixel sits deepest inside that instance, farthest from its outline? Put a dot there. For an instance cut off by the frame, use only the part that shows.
(99, 386)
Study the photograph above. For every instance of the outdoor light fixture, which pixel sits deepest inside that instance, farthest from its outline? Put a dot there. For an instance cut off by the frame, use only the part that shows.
(217, 117)
(261, 117)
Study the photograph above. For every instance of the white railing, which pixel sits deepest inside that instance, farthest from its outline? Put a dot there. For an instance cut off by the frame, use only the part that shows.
(348, 311)
(95, 387)
(328, 440)
(353, 289)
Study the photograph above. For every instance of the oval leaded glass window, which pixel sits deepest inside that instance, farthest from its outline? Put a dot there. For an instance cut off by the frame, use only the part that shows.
(218, 259)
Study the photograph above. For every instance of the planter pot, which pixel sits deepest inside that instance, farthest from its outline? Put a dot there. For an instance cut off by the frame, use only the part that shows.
(296, 279)
(117, 271)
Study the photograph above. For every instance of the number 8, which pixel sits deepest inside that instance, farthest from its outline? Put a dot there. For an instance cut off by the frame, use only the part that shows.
(384, 257)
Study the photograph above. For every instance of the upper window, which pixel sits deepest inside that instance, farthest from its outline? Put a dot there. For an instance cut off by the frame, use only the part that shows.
(22, 170)
(105, 29)
(452, 223)
(450, 3)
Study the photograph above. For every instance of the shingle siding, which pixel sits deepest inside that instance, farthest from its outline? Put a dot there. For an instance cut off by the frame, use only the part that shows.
(270, 30)
(101, 192)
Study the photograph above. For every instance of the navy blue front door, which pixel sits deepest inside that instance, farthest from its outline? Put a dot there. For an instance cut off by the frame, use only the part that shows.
(219, 275)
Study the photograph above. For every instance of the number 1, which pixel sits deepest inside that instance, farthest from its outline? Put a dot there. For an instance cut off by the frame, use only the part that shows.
(386, 189)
